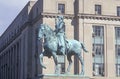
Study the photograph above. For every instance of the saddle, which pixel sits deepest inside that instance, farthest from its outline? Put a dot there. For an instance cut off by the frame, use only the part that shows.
(67, 46)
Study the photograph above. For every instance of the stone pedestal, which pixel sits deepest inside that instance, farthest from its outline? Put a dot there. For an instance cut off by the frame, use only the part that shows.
(53, 76)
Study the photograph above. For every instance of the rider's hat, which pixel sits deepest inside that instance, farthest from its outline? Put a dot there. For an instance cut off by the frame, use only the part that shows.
(61, 17)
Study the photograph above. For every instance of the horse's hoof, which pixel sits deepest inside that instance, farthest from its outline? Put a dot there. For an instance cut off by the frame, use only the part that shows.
(67, 73)
(57, 73)
(81, 74)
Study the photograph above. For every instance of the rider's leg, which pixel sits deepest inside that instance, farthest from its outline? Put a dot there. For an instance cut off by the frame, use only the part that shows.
(62, 45)
(62, 50)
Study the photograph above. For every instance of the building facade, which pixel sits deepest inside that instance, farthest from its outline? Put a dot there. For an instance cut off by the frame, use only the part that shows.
(96, 23)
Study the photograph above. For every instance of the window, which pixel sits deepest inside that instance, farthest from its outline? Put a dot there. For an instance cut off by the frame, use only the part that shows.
(117, 32)
(98, 31)
(62, 68)
(117, 49)
(118, 11)
(118, 69)
(98, 9)
(98, 49)
(61, 62)
(98, 69)
(61, 8)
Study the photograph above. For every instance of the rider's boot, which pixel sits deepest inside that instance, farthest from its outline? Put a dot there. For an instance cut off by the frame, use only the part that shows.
(62, 50)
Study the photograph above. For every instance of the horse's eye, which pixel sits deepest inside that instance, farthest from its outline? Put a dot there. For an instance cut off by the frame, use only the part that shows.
(42, 28)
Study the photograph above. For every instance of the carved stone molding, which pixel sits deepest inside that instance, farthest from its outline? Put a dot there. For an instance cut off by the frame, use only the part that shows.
(99, 17)
(53, 15)
(83, 16)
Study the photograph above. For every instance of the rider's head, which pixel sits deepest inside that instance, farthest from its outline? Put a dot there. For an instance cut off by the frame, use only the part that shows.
(60, 17)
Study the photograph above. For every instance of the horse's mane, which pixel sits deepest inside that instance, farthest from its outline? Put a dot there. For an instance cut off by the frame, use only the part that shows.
(51, 31)
(48, 27)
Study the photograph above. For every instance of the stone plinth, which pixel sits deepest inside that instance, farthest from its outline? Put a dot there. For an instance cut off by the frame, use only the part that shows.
(53, 76)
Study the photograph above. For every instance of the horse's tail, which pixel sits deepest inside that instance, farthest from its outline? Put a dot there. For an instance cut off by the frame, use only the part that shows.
(83, 47)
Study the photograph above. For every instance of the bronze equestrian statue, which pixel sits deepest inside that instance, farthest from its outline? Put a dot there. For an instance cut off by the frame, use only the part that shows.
(53, 48)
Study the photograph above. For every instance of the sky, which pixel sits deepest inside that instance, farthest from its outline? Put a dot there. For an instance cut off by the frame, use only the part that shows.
(9, 9)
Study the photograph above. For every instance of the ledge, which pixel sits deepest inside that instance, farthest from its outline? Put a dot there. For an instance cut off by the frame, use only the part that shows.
(83, 16)
(53, 15)
(99, 17)
(61, 76)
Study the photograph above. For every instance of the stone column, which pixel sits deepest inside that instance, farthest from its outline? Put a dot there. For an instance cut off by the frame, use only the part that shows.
(11, 63)
(76, 33)
(22, 50)
(17, 51)
(15, 61)
(7, 63)
(4, 66)
(19, 58)
(1, 66)
(18, 61)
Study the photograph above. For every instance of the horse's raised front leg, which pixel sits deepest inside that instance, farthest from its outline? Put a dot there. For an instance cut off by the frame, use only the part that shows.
(70, 63)
(56, 63)
(41, 60)
(82, 64)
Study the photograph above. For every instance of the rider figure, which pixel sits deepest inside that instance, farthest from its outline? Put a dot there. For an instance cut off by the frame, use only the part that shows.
(60, 32)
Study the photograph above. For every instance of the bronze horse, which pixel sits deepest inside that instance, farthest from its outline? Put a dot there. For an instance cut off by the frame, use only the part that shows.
(74, 47)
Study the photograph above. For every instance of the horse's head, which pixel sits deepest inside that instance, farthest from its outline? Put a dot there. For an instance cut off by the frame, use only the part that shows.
(44, 30)
(41, 31)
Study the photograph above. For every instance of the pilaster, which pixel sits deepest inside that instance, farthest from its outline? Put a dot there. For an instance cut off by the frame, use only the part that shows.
(110, 51)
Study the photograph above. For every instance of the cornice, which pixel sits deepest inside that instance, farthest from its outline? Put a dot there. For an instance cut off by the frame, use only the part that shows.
(83, 16)
(99, 17)
(53, 15)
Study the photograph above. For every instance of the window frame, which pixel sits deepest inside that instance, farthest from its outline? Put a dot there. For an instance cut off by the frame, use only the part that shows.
(117, 32)
(98, 49)
(98, 31)
(61, 8)
(117, 69)
(117, 48)
(98, 9)
(101, 69)
(61, 62)
(118, 10)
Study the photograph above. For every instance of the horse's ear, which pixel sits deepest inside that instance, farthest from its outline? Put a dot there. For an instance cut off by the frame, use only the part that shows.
(46, 26)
